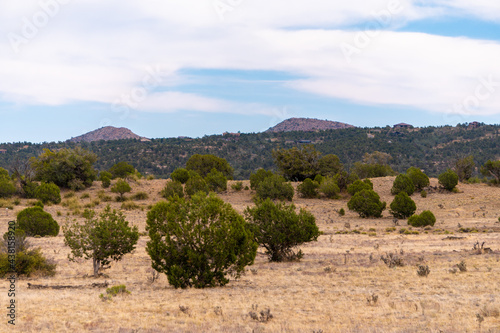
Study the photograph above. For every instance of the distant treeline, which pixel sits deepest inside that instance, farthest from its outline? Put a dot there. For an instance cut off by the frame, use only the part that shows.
(432, 149)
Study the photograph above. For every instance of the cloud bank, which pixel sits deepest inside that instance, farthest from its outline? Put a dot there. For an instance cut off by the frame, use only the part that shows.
(131, 53)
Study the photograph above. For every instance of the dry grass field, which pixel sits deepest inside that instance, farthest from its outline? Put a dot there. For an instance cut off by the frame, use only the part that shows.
(340, 285)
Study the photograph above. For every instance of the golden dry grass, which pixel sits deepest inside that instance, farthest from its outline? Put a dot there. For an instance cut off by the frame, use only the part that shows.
(325, 292)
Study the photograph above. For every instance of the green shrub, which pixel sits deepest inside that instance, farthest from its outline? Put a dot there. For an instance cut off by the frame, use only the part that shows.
(319, 179)
(27, 263)
(203, 165)
(464, 167)
(172, 189)
(258, 177)
(359, 185)
(275, 187)
(196, 184)
(297, 164)
(116, 290)
(216, 181)
(403, 183)
(121, 170)
(7, 188)
(308, 189)
(38, 204)
(372, 170)
(423, 194)
(105, 174)
(76, 185)
(424, 219)
(344, 179)
(34, 221)
(105, 182)
(238, 186)
(29, 189)
(140, 196)
(367, 204)
(448, 180)
(403, 206)
(418, 178)
(181, 175)
(67, 168)
(329, 165)
(279, 229)
(329, 188)
(342, 212)
(101, 238)
(85, 196)
(121, 187)
(199, 242)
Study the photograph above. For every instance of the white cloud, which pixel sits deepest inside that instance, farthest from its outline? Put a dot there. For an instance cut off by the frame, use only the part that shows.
(96, 51)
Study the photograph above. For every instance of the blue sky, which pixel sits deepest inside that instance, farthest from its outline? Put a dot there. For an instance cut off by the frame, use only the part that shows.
(199, 67)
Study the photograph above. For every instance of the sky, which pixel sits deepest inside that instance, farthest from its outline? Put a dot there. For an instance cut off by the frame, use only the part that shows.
(168, 68)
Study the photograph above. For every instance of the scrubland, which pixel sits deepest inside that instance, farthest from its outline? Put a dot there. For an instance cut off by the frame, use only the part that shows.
(341, 284)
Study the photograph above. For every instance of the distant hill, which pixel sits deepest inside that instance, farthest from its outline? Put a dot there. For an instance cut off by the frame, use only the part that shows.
(108, 133)
(432, 149)
(307, 125)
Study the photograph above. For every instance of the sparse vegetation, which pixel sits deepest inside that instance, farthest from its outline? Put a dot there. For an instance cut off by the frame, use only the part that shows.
(238, 186)
(423, 270)
(345, 253)
(140, 196)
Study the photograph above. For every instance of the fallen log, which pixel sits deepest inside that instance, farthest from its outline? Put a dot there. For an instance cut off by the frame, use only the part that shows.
(453, 238)
(93, 285)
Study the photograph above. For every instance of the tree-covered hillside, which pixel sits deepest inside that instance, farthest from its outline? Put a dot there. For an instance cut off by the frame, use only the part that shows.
(432, 148)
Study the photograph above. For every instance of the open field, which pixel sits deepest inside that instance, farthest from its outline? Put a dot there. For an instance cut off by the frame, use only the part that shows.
(327, 291)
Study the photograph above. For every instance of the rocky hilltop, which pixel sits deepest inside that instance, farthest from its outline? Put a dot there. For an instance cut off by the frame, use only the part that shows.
(307, 125)
(108, 133)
